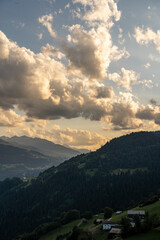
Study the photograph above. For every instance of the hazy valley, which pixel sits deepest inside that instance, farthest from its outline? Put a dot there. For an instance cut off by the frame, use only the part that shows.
(27, 157)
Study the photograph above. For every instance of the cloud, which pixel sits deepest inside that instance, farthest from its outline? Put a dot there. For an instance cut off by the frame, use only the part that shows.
(77, 138)
(147, 65)
(149, 113)
(4, 50)
(157, 119)
(42, 87)
(74, 138)
(146, 113)
(102, 11)
(20, 78)
(83, 54)
(90, 51)
(154, 102)
(128, 78)
(99, 90)
(67, 6)
(146, 83)
(123, 116)
(46, 21)
(122, 113)
(144, 37)
(50, 50)
(8, 118)
(154, 58)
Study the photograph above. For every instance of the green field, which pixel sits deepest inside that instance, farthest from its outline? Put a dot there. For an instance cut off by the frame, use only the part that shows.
(68, 227)
(151, 209)
(102, 235)
(62, 230)
(124, 170)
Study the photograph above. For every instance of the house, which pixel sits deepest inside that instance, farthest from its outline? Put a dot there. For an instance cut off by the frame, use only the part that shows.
(132, 213)
(84, 220)
(114, 233)
(108, 225)
(133, 224)
(99, 221)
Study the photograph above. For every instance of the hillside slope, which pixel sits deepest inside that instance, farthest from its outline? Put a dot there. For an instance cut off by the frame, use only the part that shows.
(56, 152)
(97, 232)
(124, 170)
(20, 162)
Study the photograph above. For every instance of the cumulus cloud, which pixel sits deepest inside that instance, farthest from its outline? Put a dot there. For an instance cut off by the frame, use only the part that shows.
(122, 113)
(101, 11)
(123, 116)
(144, 37)
(20, 77)
(66, 80)
(154, 102)
(149, 113)
(4, 46)
(99, 90)
(42, 87)
(77, 138)
(128, 78)
(74, 138)
(8, 118)
(90, 51)
(83, 54)
(146, 113)
(50, 50)
(146, 83)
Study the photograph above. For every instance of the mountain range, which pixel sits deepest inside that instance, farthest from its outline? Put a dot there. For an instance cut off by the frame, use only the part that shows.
(25, 156)
(122, 172)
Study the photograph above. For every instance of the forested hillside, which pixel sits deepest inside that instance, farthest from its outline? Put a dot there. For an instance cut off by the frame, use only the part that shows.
(124, 171)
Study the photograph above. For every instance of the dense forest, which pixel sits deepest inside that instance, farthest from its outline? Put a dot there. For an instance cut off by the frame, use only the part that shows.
(121, 173)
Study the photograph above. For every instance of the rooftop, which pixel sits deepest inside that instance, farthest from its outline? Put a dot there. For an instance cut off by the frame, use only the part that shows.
(115, 230)
(140, 212)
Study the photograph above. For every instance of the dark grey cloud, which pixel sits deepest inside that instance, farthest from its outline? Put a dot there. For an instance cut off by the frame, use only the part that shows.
(146, 114)
(43, 88)
(40, 86)
(154, 102)
(82, 55)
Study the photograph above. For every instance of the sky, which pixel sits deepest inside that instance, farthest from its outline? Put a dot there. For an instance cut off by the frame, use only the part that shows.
(79, 72)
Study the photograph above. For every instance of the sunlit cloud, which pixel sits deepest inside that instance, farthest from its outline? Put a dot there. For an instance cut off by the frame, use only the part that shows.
(144, 37)
(81, 72)
(128, 78)
(46, 21)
